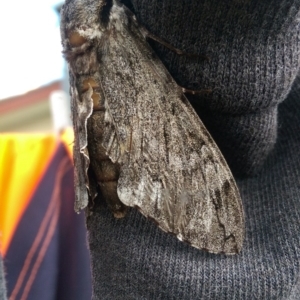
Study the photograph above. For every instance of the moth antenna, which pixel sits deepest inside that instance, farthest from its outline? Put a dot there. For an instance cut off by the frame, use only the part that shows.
(149, 35)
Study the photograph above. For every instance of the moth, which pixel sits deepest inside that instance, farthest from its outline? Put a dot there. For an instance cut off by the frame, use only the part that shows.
(136, 135)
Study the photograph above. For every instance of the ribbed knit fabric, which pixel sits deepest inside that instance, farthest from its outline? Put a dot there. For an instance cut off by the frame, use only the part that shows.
(2, 282)
(254, 58)
(254, 53)
(133, 259)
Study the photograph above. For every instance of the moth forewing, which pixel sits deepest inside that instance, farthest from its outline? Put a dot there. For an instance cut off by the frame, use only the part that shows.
(144, 144)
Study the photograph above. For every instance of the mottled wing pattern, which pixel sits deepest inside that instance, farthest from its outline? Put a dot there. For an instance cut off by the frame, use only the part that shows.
(171, 169)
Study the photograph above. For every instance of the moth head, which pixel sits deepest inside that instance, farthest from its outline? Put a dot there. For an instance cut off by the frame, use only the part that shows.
(81, 22)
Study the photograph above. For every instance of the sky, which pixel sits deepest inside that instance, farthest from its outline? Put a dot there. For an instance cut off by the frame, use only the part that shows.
(30, 47)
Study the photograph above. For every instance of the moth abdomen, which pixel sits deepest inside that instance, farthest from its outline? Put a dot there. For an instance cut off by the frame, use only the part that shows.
(109, 192)
(106, 172)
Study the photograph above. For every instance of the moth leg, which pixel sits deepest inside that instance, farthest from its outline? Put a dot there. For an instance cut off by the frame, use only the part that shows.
(180, 52)
(196, 92)
(153, 37)
(106, 172)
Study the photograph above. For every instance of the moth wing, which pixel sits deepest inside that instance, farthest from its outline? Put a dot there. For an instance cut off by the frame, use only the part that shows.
(171, 169)
(82, 110)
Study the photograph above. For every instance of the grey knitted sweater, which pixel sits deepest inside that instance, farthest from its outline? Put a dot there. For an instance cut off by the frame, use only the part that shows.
(254, 53)
(2, 282)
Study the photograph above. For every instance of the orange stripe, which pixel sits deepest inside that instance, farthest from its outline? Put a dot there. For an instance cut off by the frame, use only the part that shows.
(24, 159)
(51, 214)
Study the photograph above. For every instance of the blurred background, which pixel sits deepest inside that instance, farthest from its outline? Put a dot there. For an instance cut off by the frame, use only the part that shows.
(31, 66)
(42, 240)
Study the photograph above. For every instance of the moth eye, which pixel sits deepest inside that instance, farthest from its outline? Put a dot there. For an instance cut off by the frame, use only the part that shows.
(76, 40)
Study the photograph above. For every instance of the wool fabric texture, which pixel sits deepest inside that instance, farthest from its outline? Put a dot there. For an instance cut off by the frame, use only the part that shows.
(253, 49)
(2, 281)
(133, 259)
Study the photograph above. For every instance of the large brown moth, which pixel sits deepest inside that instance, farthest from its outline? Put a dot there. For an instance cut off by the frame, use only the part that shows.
(137, 136)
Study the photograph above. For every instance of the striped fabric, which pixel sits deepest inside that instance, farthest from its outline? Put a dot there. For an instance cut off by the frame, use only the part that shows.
(43, 241)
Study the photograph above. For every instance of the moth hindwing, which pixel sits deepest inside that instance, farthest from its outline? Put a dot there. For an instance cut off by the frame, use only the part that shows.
(137, 136)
